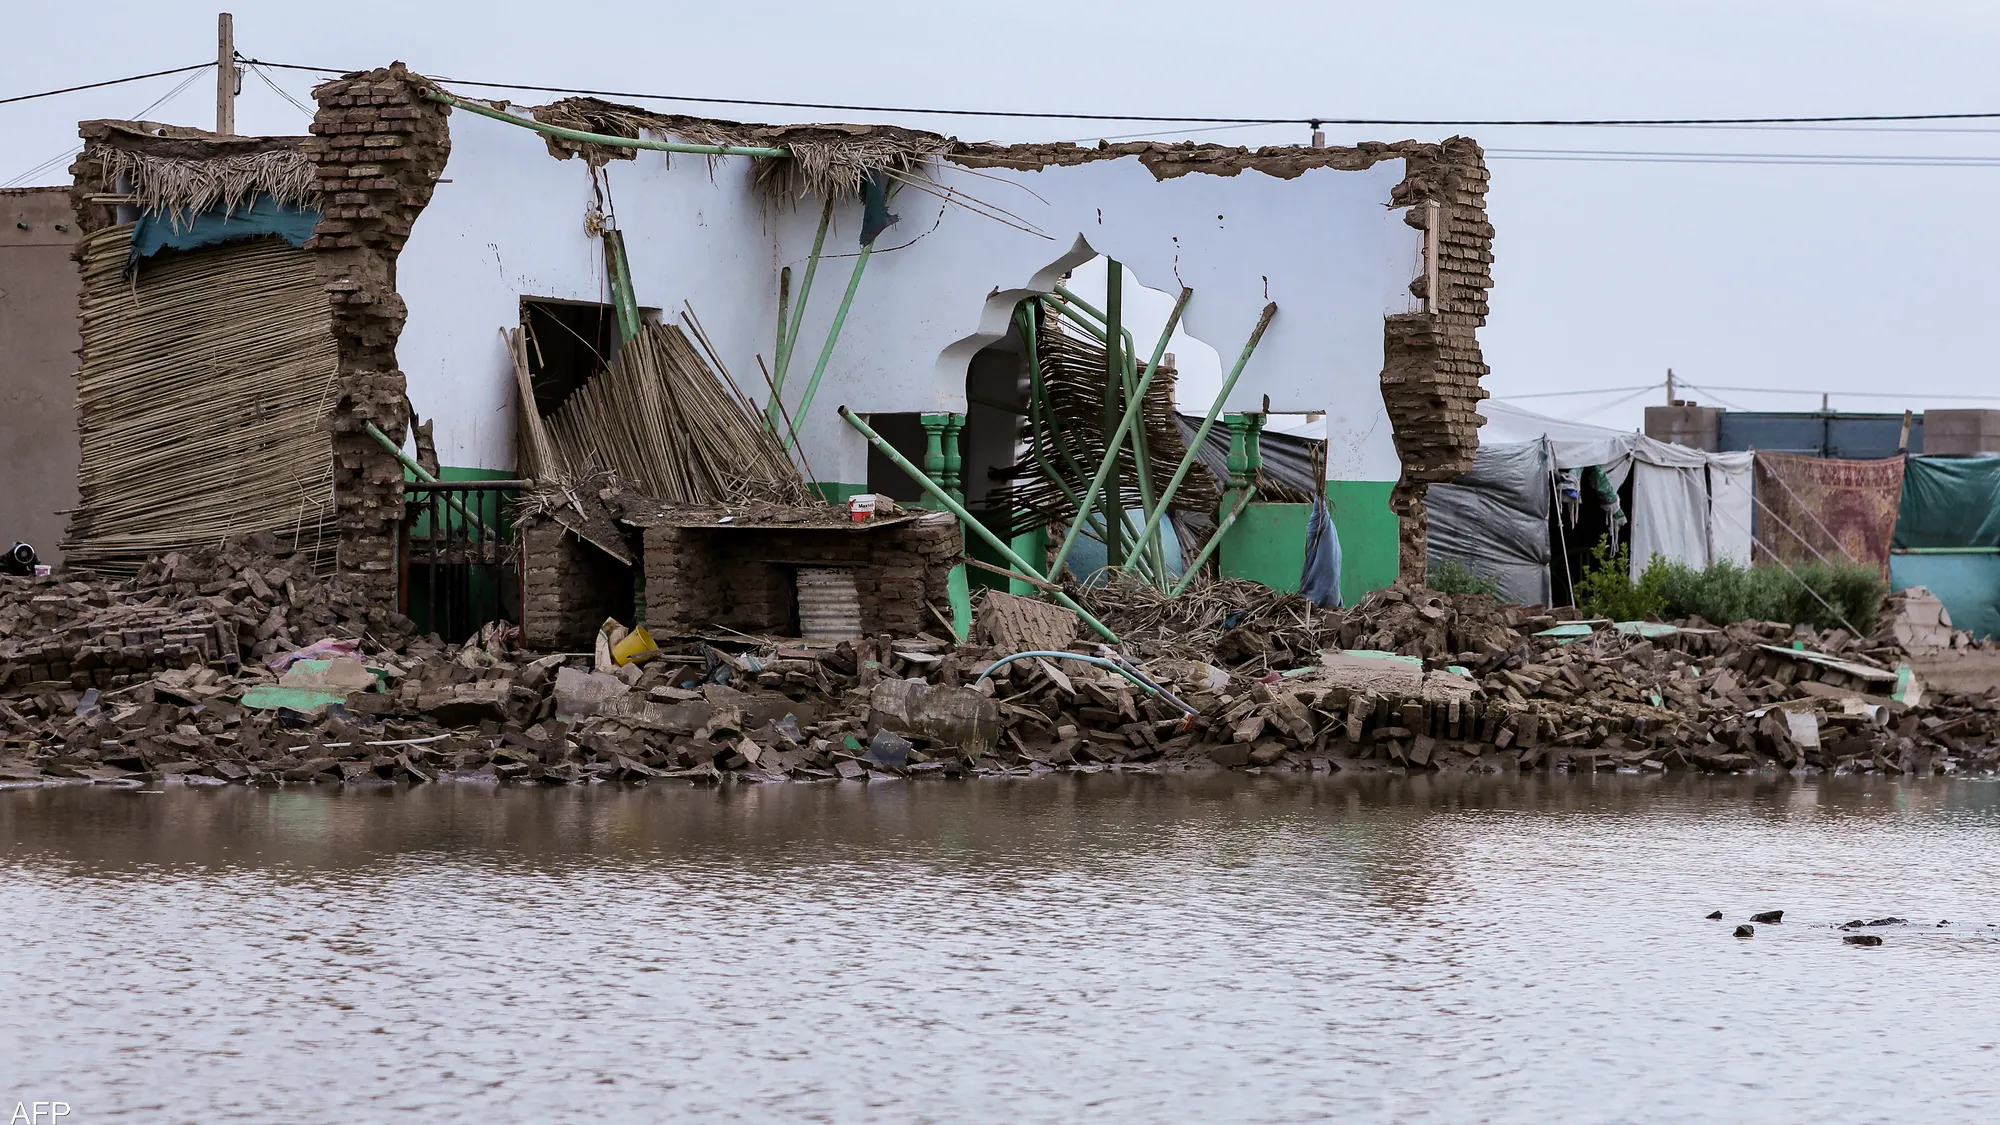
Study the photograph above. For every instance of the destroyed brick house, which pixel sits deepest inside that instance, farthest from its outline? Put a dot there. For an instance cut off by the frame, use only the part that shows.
(367, 340)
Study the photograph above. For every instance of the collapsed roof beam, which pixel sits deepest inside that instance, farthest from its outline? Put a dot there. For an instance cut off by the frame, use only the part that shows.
(605, 139)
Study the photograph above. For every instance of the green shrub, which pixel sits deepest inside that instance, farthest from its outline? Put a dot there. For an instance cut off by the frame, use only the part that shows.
(1449, 576)
(1607, 590)
(1725, 593)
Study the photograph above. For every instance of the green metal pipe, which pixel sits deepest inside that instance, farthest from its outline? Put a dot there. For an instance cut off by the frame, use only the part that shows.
(1153, 544)
(1946, 551)
(1111, 443)
(1101, 662)
(966, 519)
(1215, 540)
(605, 139)
(1093, 521)
(622, 293)
(1116, 404)
(832, 337)
(1070, 298)
(1208, 422)
(788, 337)
(424, 475)
(784, 311)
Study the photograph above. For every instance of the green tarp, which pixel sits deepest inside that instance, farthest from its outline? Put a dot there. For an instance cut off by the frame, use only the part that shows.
(1950, 502)
(1951, 505)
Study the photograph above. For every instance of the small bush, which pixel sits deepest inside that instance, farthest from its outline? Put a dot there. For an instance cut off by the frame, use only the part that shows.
(1449, 576)
(1607, 590)
(1725, 593)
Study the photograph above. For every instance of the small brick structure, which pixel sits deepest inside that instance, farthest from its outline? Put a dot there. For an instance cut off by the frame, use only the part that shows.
(701, 574)
(744, 577)
(568, 588)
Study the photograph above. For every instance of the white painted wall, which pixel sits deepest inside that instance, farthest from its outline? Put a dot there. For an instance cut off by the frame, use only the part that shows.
(1326, 246)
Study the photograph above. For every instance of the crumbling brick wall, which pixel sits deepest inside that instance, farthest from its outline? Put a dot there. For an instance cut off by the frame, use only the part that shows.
(568, 587)
(743, 579)
(380, 148)
(1432, 362)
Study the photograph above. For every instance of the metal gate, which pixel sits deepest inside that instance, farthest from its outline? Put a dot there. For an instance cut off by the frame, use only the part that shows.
(454, 551)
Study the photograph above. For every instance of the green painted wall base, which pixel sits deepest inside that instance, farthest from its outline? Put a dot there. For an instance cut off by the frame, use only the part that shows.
(834, 492)
(1267, 544)
(1034, 547)
(1370, 536)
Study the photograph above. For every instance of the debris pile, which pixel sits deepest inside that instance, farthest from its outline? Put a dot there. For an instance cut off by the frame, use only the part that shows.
(235, 665)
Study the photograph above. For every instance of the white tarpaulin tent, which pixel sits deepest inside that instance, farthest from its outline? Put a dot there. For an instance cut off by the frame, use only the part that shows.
(1687, 505)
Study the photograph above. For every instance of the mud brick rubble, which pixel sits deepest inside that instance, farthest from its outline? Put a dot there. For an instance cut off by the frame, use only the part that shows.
(147, 680)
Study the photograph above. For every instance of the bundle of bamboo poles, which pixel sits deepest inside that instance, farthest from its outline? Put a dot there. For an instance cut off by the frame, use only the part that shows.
(661, 418)
(1064, 438)
(202, 396)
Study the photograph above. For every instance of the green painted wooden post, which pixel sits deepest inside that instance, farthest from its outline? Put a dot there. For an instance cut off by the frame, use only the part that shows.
(1113, 498)
(1246, 451)
(934, 455)
(954, 457)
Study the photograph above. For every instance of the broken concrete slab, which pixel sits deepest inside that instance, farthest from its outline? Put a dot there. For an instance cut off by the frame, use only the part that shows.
(581, 694)
(958, 717)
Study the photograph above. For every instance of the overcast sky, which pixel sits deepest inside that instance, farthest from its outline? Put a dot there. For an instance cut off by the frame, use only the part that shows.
(1811, 278)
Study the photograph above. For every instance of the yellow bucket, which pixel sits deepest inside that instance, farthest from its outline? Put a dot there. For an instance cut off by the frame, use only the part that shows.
(637, 645)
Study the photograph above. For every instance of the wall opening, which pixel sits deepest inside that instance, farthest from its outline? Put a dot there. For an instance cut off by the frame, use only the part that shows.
(568, 343)
(905, 434)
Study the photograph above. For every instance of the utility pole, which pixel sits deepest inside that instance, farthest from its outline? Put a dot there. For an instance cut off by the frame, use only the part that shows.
(1670, 386)
(225, 74)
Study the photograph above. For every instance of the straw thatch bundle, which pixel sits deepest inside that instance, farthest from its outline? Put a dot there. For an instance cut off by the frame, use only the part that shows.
(1071, 440)
(826, 160)
(660, 418)
(178, 189)
(204, 387)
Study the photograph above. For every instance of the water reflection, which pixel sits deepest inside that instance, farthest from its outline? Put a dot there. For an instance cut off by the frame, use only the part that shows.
(1116, 947)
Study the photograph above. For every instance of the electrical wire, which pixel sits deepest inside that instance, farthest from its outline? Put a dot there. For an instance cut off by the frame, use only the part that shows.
(106, 82)
(1857, 160)
(264, 76)
(74, 149)
(1591, 391)
(1842, 394)
(1304, 120)
(1596, 410)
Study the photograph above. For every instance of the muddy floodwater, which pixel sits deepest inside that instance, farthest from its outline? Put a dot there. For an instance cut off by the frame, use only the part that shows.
(1097, 948)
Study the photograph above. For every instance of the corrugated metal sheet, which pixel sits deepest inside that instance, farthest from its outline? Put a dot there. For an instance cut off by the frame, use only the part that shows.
(829, 605)
(1854, 437)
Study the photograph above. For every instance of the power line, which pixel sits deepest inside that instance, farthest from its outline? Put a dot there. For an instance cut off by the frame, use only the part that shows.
(1300, 120)
(1771, 159)
(1591, 391)
(1844, 394)
(74, 149)
(107, 82)
(1602, 407)
(264, 76)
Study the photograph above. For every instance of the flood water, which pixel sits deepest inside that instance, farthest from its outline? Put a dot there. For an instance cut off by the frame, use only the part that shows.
(1103, 948)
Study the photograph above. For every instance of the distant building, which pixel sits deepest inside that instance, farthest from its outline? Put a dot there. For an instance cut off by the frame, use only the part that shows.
(1827, 433)
(38, 343)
